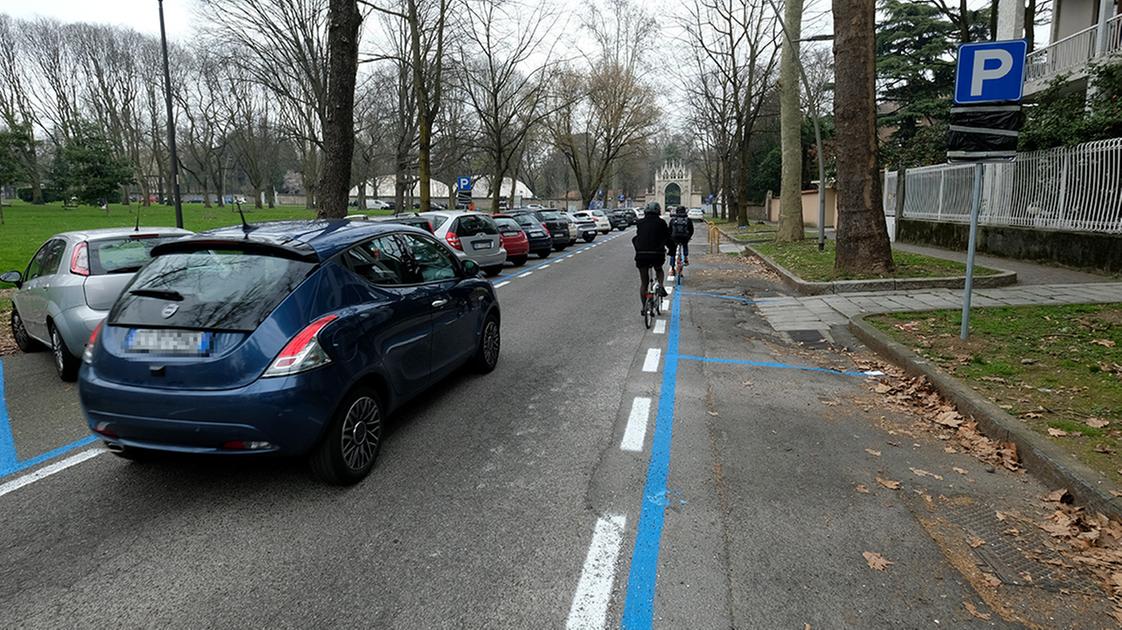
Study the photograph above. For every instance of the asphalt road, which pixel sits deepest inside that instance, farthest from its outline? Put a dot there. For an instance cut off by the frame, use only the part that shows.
(543, 495)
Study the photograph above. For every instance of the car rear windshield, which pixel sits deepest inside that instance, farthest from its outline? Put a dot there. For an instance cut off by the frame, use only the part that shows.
(551, 216)
(126, 254)
(472, 224)
(526, 220)
(507, 224)
(212, 290)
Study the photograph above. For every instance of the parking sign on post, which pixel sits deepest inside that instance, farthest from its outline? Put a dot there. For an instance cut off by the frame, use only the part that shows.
(989, 85)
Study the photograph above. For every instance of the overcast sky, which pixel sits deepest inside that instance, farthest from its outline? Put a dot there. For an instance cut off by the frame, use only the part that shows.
(142, 15)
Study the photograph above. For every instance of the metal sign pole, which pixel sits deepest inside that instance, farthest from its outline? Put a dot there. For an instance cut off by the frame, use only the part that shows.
(975, 208)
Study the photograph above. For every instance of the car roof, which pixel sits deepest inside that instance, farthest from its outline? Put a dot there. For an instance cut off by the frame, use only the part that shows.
(84, 235)
(321, 238)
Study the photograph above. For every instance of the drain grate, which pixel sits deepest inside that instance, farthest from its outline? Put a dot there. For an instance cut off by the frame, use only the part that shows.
(1011, 558)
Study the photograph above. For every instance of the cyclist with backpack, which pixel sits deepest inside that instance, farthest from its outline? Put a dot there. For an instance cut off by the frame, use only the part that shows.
(681, 231)
(651, 241)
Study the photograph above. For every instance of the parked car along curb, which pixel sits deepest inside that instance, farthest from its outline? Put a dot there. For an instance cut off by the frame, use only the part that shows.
(803, 287)
(1042, 459)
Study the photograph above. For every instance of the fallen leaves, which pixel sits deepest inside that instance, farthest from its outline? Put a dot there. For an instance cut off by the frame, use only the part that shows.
(1057, 496)
(961, 471)
(919, 472)
(975, 542)
(1097, 423)
(876, 561)
(1057, 433)
(714, 413)
(1106, 343)
(862, 488)
(991, 580)
(973, 610)
(889, 483)
(872, 452)
(949, 418)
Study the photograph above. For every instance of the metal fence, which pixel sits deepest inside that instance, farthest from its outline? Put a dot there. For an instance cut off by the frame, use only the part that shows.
(1076, 189)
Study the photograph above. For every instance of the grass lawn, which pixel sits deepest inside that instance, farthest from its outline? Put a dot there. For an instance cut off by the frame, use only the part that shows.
(26, 227)
(1057, 368)
(804, 260)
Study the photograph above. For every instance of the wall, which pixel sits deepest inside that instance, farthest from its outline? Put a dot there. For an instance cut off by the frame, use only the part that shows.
(810, 208)
(1072, 16)
(1101, 252)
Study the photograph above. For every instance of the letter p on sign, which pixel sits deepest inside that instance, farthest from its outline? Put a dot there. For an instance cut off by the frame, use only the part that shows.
(990, 72)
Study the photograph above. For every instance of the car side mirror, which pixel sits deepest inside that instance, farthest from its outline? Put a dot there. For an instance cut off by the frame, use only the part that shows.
(12, 277)
(471, 269)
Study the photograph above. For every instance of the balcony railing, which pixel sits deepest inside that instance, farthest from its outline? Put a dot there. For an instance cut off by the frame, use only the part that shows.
(1071, 54)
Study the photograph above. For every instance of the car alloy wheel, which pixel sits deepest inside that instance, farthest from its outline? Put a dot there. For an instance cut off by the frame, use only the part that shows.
(20, 335)
(361, 434)
(491, 343)
(57, 349)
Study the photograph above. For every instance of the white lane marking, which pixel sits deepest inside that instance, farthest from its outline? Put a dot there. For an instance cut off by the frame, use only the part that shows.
(594, 590)
(660, 327)
(650, 363)
(528, 273)
(636, 429)
(544, 267)
(559, 260)
(669, 290)
(47, 471)
(666, 306)
(502, 284)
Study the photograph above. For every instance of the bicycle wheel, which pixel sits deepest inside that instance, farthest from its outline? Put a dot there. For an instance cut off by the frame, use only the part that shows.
(657, 303)
(648, 314)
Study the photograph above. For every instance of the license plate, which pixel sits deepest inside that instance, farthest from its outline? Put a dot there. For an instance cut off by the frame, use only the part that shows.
(481, 245)
(158, 341)
(537, 234)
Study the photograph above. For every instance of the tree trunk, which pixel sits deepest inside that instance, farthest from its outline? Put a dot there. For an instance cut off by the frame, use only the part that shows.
(344, 20)
(791, 129)
(361, 202)
(993, 20)
(1030, 24)
(399, 191)
(964, 22)
(258, 193)
(862, 237)
(424, 163)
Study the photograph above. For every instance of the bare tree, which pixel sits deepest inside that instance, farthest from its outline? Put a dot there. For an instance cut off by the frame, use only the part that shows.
(791, 128)
(344, 21)
(508, 101)
(735, 50)
(862, 238)
(606, 113)
(16, 110)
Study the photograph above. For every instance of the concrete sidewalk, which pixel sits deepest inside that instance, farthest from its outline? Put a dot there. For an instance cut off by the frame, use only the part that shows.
(819, 312)
(1028, 272)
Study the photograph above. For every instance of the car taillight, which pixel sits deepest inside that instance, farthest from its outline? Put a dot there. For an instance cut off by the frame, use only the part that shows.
(303, 352)
(453, 241)
(87, 354)
(80, 260)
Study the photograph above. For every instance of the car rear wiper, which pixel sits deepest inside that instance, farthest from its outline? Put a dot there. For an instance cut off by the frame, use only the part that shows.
(160, 294)
(133, 269)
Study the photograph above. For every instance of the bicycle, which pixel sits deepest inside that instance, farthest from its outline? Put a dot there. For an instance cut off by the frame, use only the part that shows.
(652, 301)
(678, 263)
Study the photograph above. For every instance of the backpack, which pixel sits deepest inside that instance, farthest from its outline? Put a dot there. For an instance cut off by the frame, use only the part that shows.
(679, 228)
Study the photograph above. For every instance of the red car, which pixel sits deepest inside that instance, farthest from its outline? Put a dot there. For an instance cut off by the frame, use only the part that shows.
(515, 242)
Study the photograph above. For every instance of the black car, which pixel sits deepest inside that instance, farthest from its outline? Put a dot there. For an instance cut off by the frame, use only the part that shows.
(559, 226)
(618, 219)
(541, 242)
(413, 219)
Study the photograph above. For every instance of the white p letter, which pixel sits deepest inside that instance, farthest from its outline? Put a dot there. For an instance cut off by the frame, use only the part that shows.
(981, 74)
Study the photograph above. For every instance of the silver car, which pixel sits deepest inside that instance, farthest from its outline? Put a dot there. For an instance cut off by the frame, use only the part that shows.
(473, 235)
(70, 285)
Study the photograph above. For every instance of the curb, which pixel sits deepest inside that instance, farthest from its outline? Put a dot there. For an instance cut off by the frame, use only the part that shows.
(803, 287)
(1044, 460)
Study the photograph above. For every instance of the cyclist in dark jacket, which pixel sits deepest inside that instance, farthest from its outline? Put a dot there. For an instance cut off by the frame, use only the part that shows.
(681, 231)
(651, 239)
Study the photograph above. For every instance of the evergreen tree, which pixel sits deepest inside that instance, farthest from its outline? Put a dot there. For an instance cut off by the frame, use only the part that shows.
(88, 169)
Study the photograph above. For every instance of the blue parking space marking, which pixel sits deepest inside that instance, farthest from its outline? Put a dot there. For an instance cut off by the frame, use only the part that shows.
(638, 608)
(772, 364)
(9, 460)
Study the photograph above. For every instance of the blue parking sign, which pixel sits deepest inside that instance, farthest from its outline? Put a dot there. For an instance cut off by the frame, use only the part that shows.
(463, 183)
(988, 72)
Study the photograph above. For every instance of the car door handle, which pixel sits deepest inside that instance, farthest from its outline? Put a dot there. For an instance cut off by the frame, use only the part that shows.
(439, 303)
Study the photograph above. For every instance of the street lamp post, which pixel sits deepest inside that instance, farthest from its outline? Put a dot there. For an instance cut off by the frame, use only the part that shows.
(174, 160)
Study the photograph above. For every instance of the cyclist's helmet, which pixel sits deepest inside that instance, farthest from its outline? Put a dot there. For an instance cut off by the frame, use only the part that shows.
(681, 211)
(653, 209)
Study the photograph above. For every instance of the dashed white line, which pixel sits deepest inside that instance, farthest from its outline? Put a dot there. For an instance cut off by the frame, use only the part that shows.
(669, 290)
(528, 273)
(666, 306)
(47, 471)
(636, 429)
(650, 362)
(544, 267)
(659, 327)
(594, 590)
(502, 284)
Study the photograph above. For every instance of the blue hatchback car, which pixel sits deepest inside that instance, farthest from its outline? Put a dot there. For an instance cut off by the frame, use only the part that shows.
(294, 338)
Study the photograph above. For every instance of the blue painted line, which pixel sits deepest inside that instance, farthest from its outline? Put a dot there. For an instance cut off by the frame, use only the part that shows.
(638, 608)
(770, 364)
(8, 457)
(51, 454)
(722, 296)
